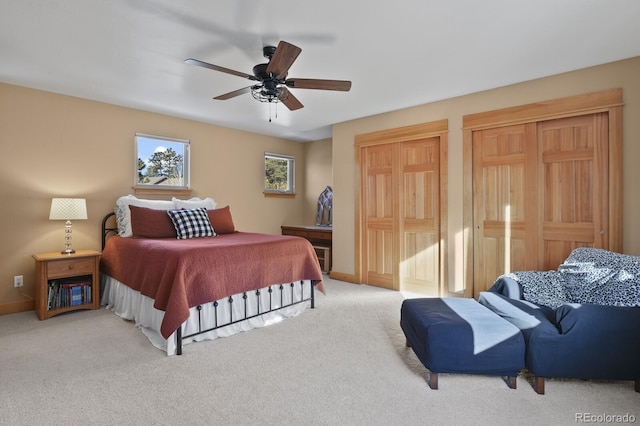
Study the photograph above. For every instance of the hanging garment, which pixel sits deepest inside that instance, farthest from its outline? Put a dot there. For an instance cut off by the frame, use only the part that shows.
(324, 215)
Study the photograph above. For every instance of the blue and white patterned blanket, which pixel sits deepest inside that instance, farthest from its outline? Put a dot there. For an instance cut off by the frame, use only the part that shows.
(588, 275)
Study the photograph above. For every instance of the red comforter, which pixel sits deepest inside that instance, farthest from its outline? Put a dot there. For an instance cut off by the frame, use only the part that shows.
(179, 274)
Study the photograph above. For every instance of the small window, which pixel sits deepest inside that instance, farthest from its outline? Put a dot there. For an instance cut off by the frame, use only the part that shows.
(161, 163)
(279, 174)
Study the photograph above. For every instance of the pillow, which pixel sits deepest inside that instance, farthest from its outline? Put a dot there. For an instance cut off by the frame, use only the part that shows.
(191, 223)
(150, 223)
(123, 214)
(194, 203)
(221, 220)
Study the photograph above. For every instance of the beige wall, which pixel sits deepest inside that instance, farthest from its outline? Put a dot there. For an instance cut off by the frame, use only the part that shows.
(55, 145)
(623, 74)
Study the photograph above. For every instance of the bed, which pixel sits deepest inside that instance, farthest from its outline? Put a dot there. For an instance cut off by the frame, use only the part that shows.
(185, 285)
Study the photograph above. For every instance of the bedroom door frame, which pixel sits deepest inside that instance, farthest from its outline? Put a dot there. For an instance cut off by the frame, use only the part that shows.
(412, 133)
(606, 101)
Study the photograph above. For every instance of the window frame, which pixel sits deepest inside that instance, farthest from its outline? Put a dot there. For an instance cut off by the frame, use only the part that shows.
(161, 141)
(291, 174)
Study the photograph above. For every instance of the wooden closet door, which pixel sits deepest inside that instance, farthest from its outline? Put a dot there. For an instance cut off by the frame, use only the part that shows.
(420, 216)
(504, 203)
(540, 190)
(571, 172)
(574, 158)
(380, 213)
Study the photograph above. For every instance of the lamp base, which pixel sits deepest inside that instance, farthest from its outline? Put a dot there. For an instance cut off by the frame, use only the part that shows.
(68, 251)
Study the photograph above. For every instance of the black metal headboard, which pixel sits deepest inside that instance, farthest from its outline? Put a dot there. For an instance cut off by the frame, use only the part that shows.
(108, 229)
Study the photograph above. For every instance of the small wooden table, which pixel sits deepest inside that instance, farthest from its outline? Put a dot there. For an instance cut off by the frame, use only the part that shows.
(66, 282)
(320, 238)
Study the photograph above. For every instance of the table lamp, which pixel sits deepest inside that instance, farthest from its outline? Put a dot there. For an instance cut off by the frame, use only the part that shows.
(68, 209)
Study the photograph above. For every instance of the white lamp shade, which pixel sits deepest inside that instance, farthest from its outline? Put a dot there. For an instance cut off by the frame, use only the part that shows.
(68, 209)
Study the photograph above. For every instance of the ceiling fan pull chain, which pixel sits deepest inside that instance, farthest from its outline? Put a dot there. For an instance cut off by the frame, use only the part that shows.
(276, 104)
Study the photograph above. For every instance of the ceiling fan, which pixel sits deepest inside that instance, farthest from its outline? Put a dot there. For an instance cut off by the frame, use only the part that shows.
(272, 82)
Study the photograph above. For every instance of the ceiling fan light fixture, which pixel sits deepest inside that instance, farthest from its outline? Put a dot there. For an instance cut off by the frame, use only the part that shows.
(270, 95)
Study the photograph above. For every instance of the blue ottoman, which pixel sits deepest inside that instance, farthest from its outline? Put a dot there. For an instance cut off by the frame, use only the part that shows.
(458, 335)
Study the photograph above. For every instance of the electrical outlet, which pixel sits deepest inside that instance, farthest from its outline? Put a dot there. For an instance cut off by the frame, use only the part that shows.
(17, 281)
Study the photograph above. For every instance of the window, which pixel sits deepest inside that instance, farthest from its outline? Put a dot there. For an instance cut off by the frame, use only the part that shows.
(279, 174)
(161, 163)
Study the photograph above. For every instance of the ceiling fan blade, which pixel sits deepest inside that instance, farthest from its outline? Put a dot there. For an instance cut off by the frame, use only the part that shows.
(233, 94)
(311, 83)
(289, 100)
(283, 58)
(218, 68)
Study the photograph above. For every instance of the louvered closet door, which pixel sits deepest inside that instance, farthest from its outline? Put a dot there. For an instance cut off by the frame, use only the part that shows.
(504, 203)
(380, 213)
(574, 155)
(420, 216)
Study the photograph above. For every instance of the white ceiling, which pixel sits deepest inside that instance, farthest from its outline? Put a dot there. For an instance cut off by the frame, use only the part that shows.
(397, 53)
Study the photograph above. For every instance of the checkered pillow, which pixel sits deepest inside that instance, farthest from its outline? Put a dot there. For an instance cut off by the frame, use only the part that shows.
(191, 223)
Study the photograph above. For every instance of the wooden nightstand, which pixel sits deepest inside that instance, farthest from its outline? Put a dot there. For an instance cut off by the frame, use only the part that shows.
(321, 239)
(66, 282)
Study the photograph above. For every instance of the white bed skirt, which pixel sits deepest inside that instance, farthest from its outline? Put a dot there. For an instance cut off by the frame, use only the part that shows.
(131, 305)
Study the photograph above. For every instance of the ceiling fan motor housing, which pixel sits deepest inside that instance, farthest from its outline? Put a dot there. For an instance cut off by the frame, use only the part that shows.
(268, 51)
(260, 71)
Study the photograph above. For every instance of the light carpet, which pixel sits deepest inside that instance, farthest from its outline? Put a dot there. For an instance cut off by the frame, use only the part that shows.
(343, 363)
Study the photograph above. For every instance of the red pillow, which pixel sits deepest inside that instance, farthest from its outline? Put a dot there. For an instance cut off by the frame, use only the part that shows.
(150, 223)
(221, 220)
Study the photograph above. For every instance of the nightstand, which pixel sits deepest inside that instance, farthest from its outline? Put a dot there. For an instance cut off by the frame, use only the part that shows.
(66, 282)
(321, 239)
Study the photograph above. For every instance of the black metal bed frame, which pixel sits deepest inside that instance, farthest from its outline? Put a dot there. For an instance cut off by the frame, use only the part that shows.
(106, 230)
(244, 317)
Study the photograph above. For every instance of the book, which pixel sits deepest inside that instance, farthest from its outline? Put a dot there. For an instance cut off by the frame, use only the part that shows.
(76, 295)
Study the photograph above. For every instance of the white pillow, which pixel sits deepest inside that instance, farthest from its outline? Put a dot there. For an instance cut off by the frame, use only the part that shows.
(194, 203)
(123, 214)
